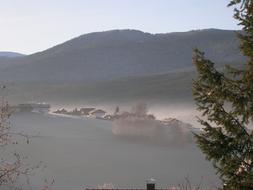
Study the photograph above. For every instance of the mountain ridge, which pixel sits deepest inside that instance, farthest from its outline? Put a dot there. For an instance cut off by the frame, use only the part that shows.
(121, 53)
(9, 54)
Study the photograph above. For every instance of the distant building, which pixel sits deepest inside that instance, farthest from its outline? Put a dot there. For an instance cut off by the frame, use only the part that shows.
(98, 113)
(61, 111)
(86, 111)
(33, 107)
(149, 186)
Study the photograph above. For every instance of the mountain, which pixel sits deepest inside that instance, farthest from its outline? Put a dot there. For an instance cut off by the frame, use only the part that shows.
(109, 55)
(117, 66)
(160, 88)
(10, 54)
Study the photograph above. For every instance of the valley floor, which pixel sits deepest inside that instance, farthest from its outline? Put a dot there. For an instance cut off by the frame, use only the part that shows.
(83, 152)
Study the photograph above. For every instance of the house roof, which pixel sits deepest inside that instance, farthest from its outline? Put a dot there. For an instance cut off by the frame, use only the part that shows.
(98, 111)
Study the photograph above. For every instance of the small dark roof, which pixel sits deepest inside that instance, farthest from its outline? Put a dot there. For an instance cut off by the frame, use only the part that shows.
(98, 111)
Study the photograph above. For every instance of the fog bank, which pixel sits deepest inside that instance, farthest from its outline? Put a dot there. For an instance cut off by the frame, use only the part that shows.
(140, 125)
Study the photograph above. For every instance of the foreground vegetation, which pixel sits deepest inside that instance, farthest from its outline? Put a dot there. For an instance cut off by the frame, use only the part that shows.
(225, 99)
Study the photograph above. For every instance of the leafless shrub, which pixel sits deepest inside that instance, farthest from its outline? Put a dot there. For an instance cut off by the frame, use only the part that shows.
(187, 185)
(14, 168)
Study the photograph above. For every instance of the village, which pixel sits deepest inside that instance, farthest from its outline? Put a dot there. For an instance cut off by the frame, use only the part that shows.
(125, 123)
(86, 112)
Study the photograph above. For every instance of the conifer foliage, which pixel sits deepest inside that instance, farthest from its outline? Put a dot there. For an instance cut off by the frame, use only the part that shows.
(225, 99)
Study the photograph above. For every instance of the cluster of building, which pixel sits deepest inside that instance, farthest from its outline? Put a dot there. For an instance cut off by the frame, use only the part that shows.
(88, 112)
(32, 107)
(45, 108)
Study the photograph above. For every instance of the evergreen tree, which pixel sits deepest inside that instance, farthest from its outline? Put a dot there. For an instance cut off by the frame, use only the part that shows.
(226, 102)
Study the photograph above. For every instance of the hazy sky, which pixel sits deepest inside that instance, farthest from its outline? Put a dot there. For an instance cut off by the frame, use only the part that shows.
(28, 26)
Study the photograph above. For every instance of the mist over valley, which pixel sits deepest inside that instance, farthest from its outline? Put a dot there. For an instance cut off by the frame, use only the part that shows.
(106, 70)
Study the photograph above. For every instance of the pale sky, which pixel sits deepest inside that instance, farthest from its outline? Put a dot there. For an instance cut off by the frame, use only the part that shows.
(29, 26)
